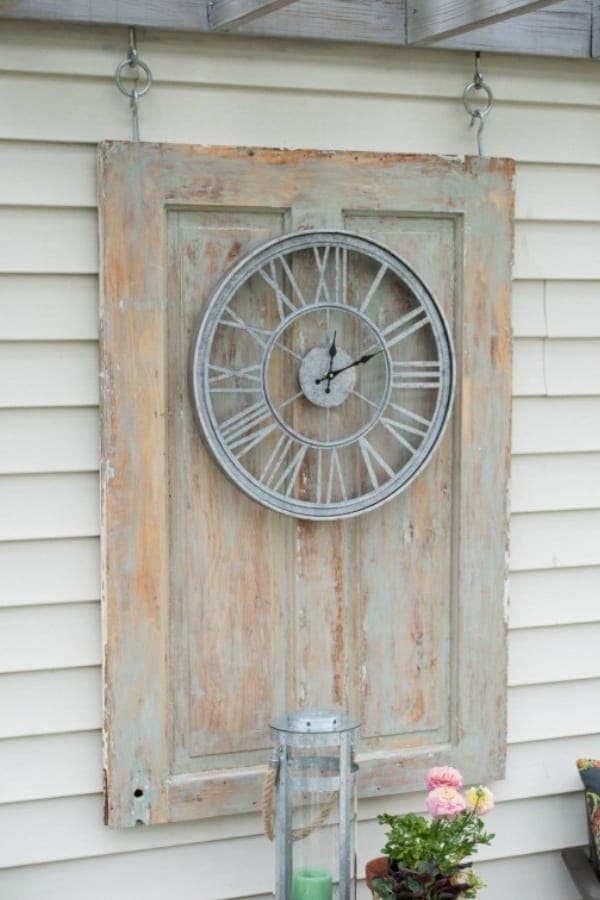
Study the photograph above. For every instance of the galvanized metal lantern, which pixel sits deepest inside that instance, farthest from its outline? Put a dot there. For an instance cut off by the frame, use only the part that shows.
(314, 774)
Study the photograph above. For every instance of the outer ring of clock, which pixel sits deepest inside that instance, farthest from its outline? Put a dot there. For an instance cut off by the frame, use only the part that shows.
(232, 281)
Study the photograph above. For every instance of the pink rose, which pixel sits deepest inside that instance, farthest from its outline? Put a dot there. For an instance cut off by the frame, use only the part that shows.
(445, 801)
(440, 776)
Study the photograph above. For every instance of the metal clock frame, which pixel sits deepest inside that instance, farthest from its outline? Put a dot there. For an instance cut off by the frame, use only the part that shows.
(231, 282)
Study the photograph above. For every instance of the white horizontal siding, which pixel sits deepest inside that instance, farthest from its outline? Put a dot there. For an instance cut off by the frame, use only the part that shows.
(556, 710)
(45, 373)
(59, 99)
(50, 702)
(37, 239)
(554, 597)
(557, 654)
(50, 765)
(49, 506)
(50, 637)
(278, 117)
(555, 482)
(218, 60)
(49, 440)
(537, 875)
(82, 833)
(556, 309)
(555, 424)
(556, 368)
(49, 571)
(555, 540)
(47, 308)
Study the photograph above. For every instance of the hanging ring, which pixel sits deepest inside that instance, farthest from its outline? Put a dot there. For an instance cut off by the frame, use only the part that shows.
(473, 111)
(131, 64)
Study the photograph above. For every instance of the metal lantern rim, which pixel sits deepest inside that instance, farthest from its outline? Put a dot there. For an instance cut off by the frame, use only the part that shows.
(314, 722)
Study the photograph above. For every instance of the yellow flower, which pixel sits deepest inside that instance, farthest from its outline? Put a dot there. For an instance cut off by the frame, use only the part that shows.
(479, 800)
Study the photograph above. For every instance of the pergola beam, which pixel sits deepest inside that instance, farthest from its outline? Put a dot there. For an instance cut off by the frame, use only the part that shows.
(570, 28)
(225, 14)
(435, 20)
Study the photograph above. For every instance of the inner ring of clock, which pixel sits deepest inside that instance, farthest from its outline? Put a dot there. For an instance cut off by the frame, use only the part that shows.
(326, 374)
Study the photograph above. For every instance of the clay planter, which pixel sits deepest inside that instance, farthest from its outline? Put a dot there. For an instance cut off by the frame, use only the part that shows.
(376, 868)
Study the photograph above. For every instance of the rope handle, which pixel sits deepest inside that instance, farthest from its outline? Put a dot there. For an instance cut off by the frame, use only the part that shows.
(268, 808)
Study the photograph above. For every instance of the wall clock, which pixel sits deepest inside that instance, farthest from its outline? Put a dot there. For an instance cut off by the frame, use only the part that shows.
(323, 374)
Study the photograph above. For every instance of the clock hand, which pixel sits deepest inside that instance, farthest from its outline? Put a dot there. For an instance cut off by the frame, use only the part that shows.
(332, 353)
(357, 362)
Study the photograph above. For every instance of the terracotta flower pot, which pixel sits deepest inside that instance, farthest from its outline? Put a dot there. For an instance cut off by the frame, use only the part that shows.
(376, 868)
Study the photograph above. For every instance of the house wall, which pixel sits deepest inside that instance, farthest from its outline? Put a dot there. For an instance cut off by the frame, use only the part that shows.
(58, 100)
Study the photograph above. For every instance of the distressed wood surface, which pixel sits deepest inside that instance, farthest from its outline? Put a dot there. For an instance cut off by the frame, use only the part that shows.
(433, 20)
(568, 29)
(223, 14)
(196, 572)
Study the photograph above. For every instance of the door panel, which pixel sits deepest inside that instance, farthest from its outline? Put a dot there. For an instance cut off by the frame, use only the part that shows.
(221, 614)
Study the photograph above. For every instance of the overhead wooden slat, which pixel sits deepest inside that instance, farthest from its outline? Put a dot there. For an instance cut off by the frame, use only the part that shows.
(185, 15)
(432, 20)
(223, 14)
(563, 29)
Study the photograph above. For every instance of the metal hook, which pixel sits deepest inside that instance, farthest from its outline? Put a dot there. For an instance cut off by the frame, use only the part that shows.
(477, 112)
(135, 94)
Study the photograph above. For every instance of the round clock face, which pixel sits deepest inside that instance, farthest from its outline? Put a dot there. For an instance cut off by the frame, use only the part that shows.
(323, 374)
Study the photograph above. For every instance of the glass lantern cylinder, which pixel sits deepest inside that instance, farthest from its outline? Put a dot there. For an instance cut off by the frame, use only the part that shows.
(315, 805)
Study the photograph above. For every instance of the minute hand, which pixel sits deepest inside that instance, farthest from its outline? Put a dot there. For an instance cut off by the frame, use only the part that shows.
(357, 362)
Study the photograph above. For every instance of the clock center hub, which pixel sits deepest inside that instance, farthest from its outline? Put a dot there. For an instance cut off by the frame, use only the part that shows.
(317, 387)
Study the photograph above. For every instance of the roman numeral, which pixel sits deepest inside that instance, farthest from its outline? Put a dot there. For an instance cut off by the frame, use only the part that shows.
(370, 456)
(333, 477)
(404, 424)
(321, 264)
(280, 473)
(246, 429)
(410, 375)
(285, 305)
(341, 276)
(374, 285)
(249, 375)
(408, 324)
(234, 321)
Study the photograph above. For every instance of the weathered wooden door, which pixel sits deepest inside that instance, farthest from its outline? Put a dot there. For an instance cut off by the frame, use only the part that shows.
(221, 614)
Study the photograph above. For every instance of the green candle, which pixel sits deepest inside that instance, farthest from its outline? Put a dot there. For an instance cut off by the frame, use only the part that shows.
(309, 883)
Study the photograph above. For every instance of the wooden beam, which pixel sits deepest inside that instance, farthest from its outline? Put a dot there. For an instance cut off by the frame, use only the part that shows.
(563, 30)
(434, 20)
(595, 29)
(184, 15)
(225, 14)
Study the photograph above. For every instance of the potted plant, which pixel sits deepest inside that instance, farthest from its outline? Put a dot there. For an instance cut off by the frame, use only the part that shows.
(428, 858)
